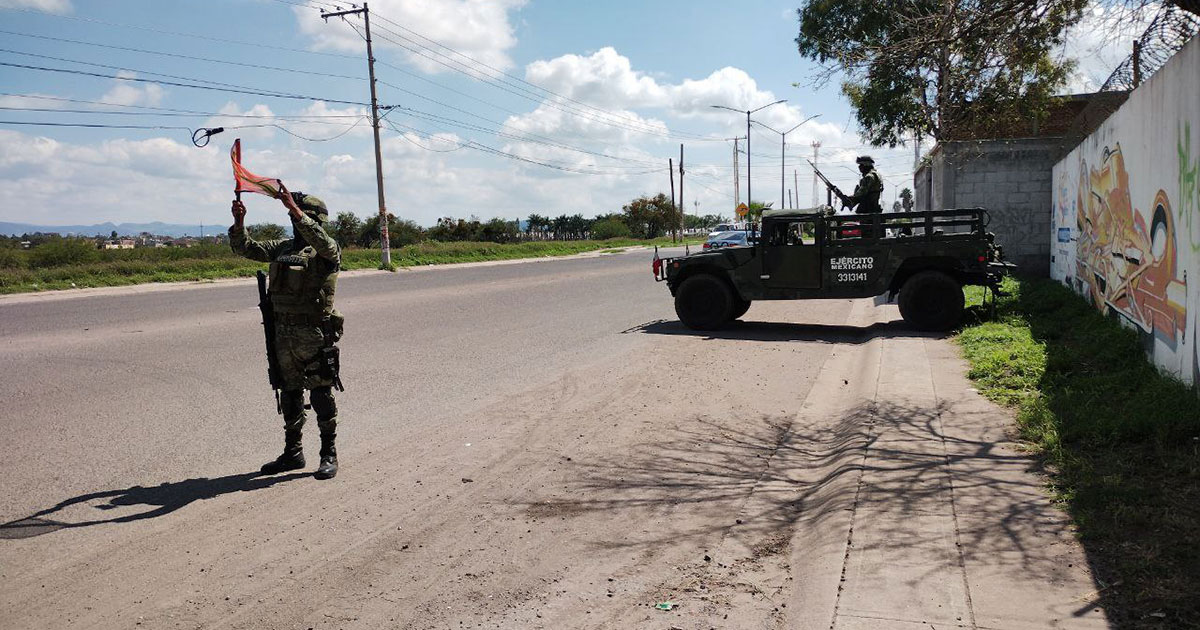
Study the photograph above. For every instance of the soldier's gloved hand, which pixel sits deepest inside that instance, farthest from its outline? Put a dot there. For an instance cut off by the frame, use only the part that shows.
(239, 212)
(288, 202)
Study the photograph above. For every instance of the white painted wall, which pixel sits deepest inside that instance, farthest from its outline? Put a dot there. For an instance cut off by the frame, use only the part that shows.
(1126, 228)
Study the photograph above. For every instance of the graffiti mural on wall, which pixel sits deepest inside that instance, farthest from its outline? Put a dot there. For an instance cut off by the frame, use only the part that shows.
(1127, 260)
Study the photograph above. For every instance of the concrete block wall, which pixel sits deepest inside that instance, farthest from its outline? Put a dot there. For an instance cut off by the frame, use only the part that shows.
(1011, 178)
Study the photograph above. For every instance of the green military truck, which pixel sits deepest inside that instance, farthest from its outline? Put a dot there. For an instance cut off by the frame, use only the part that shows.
(924, 257)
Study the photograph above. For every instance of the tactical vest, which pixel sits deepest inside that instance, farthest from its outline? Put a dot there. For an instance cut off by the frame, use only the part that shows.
(302, 281)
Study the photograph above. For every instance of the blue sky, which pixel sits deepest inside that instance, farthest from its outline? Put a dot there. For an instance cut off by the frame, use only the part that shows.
(593, 100)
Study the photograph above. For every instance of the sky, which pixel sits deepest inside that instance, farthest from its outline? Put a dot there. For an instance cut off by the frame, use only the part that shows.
(496, 108)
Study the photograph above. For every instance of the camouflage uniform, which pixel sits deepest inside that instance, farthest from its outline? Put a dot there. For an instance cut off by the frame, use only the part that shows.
(867, 192)
(303, 279)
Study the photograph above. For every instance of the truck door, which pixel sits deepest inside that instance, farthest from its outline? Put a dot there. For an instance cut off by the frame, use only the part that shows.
(791, 254)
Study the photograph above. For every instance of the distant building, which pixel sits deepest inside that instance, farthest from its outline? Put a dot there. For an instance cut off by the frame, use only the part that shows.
(125, 243)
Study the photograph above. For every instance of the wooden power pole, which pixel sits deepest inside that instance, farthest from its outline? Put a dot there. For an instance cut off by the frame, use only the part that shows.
(671, 174)
(385, 260)
(681, 206)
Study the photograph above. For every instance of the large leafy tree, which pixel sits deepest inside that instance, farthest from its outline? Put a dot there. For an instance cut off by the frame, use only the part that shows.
(651, 217)
(940, 68)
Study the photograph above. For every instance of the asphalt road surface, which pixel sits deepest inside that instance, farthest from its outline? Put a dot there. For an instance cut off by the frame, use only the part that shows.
(516, 447)
(528, 445)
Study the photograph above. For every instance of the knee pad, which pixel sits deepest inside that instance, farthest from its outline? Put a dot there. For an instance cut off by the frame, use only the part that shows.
(323, 403)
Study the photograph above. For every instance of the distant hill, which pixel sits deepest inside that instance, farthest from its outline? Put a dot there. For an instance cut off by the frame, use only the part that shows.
(104, 229)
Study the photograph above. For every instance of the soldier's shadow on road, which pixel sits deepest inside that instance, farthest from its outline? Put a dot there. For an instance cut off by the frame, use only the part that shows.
(783, 331)
(161, 499)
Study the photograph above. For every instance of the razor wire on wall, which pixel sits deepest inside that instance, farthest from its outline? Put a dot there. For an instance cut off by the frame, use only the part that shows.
(1166, 35)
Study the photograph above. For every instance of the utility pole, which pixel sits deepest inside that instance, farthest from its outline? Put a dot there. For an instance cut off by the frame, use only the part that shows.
(385, 261)
(790, 198)
(681, 207)
(671, 174)
(916, 151)
(796, 185)
(749, 183)
(816, 147)
(737, 177)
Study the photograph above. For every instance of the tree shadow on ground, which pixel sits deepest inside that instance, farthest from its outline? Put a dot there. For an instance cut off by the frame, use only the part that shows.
(161, 500)
(764, 479)
(779, 331)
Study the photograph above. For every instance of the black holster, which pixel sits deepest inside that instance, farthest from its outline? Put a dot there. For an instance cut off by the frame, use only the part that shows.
(329, 359)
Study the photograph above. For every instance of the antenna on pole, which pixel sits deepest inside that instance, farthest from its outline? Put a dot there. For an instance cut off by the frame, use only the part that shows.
(385, 260)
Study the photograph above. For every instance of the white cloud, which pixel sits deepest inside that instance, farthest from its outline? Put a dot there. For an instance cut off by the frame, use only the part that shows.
(49, 6)
(607, 80)
(477, 28)
(130, 93)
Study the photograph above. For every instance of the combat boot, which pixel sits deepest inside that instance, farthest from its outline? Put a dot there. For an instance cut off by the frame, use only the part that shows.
(329, 464)
(291, 459)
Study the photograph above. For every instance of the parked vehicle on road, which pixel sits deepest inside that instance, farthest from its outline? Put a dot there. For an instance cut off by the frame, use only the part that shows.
(925, 258)
(725, 227)
(739, 238)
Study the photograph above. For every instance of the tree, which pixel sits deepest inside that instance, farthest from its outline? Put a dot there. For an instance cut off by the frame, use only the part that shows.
(538, 224)
(610, 227)
(906, 199)
(940, 67)
(498, 231)
(756, 209)
(400, 233)
(346, 228)
(651, 217)
(266, 232)
(113, 236)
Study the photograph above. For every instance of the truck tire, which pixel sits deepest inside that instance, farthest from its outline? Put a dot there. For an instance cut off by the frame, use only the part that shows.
(704, 302)
(931, 301)
(740, 307)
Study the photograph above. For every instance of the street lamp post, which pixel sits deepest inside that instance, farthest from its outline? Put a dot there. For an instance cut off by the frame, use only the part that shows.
(783, 153)
(749, 198)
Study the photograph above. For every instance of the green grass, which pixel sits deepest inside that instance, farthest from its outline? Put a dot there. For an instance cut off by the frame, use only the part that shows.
(21, 273)
(1122, 441)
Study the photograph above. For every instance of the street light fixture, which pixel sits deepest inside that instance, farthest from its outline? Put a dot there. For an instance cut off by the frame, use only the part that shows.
(782, 153)
(749, 198)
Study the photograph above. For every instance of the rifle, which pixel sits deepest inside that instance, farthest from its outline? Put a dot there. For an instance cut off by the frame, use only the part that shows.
(828, 184)
(268, 317)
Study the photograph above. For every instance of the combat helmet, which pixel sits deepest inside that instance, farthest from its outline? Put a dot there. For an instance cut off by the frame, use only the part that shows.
(866, 159)
(312, 206)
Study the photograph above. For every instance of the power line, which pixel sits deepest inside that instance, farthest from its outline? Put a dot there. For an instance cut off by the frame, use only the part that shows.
(179, 56)
(183, 34)
(172, 111)
(505, 74)
(188, 129)
(525, 137)
(525, 93)
(238, 90)
(478, 146)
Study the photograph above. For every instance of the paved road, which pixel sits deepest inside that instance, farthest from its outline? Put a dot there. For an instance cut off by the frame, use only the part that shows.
(126, 388)
(532, 445)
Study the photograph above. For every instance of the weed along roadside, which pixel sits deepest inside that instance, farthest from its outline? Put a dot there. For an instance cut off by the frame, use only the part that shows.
(21, 273)
(1120, 440)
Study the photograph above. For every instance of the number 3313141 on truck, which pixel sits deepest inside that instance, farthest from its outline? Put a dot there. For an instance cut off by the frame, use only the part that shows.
(925, 258)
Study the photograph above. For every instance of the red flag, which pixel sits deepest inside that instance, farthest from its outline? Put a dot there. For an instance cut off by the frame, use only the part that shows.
(245, 181)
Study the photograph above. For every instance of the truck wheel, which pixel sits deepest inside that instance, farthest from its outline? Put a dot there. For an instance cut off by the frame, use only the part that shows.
(704, 302)
(932, 301)
(740, 307)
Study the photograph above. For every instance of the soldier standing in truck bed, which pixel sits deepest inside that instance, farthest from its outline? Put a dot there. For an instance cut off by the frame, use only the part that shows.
(865, 199)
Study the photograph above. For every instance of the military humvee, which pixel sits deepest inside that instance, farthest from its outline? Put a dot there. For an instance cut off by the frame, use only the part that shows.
(924, 257)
